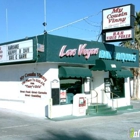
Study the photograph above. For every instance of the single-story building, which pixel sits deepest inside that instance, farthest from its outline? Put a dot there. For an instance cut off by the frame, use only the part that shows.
(41, 75)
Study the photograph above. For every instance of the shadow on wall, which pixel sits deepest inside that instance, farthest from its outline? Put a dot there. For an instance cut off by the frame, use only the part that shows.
(67, 136)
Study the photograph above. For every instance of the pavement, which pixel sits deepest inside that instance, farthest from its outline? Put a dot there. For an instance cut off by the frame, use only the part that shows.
(20, 126)
(135, 103)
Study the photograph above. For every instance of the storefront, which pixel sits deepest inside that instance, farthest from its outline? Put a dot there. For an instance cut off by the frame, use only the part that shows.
(42, 75)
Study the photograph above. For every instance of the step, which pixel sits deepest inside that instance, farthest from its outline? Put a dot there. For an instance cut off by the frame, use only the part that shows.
(100, 109)
(90, 111)
(98, 106)
(110, 112)
(104, 109)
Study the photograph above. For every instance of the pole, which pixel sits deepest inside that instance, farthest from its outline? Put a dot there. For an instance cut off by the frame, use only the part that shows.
(45, 16)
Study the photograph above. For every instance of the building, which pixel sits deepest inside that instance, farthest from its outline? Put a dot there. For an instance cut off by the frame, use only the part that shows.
(42, 74)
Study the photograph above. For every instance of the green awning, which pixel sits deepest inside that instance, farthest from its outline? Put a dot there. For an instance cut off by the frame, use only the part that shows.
(106, 65)
(72, 72)
(122, 74)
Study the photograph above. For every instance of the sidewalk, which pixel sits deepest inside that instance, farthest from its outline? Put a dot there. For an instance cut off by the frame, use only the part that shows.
(135, 103)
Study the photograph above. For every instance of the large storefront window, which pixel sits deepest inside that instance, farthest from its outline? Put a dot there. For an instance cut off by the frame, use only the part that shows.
(71, 87)
(117, 87)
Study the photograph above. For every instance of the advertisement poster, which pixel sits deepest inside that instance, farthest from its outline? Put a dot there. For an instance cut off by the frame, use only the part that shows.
(63, 96)
(107, 85)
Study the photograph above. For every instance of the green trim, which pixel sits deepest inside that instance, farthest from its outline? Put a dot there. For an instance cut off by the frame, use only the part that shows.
(125, 107)
(78, 52)
(106, 65)
(66, 72)
(86, 54)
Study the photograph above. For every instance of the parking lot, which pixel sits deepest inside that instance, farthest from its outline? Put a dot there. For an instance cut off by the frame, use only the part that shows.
(16, 125)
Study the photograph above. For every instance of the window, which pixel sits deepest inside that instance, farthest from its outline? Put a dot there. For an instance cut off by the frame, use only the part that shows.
(72, 87)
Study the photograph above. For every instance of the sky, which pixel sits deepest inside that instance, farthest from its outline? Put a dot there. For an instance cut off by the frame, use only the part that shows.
(79, 19)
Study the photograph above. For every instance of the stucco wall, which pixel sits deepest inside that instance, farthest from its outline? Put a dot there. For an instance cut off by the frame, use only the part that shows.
(19, 82)
(98, 84)
(27, 87)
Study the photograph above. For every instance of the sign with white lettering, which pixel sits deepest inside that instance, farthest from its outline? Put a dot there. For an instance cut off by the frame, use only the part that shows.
(15, 52)
(118, 17)
(120, 56)
(119, 35)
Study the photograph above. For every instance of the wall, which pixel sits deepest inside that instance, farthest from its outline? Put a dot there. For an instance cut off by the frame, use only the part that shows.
(119, 102)
(27, 87)
(19, 82)
(61, 110)
(98, 84)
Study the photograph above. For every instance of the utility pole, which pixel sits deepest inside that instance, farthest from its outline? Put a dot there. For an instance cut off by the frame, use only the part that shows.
(6, 24)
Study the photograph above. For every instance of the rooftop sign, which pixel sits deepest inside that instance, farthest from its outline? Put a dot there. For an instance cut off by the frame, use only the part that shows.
(118, 17)
(119, 35)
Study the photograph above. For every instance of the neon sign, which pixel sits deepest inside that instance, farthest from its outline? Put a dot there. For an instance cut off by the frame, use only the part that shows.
(117, 56)
(103, 54)
(125, 57)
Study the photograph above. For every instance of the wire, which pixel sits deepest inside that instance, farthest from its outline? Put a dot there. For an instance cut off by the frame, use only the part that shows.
(73, 22)
(91, 23)
(84, 29)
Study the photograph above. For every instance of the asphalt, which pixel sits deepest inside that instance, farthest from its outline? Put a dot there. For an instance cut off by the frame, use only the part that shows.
(20, 126)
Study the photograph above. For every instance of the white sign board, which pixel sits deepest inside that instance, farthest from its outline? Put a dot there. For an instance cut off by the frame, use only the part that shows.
(15, 52)
(117, 17)
(55, 84)
(118, 35)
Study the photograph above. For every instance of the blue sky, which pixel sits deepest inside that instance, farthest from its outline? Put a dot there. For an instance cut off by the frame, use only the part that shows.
(24, 18)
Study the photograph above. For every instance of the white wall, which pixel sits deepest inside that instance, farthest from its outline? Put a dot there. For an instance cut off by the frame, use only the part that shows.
(126, 100)
(13, 81)
(97, 85)
(11, 86)
(61, 110)
(120, 102)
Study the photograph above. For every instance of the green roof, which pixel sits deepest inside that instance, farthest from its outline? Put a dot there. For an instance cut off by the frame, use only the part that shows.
(67, 72)
(106, 65)
(122, 74)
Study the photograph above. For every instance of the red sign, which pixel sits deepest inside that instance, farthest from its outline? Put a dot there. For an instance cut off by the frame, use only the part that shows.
(62, 94)
(118, 35)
